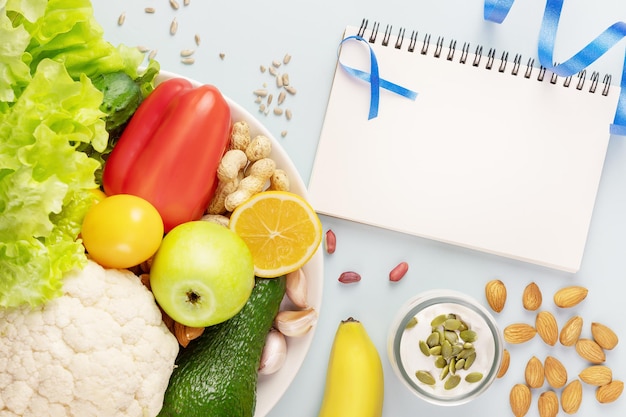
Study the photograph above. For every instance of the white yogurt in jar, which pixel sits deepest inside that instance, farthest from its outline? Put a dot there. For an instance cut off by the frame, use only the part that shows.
(412, 359)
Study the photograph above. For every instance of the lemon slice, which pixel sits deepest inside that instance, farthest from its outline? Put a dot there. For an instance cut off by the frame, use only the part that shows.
(281, 230)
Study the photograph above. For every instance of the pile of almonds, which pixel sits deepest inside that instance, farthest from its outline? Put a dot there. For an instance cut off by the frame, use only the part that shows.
(551, 370)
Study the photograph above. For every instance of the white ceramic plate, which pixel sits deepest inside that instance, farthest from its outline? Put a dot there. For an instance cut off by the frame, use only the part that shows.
(272, 387)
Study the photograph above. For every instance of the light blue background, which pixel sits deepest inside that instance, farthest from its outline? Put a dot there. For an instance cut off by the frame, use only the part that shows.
(253, 33)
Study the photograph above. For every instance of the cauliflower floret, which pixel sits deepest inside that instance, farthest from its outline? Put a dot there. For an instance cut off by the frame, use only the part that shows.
(101, 349)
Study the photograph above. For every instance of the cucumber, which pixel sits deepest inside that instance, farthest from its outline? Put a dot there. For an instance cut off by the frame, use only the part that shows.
(216, 375)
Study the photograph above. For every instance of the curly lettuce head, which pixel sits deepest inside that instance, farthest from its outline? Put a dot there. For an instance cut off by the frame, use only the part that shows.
(50, 112)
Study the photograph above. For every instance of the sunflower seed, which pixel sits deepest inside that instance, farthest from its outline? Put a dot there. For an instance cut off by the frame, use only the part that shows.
(121, 19)
(285, 78)
(286, 59)
(288, 114)
(149, 10)
(152, 54)
(173, 26)
(276, 64)
(290, 89)
(278, 111)
(196, 38)
(281, 97)
(188, 61)
(263, 68)
(174, 4)
(187, 52)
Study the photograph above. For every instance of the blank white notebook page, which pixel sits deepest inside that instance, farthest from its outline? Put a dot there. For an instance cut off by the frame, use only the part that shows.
(483, 159)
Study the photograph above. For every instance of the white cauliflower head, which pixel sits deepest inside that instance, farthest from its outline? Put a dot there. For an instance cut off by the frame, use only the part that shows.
(101, 349)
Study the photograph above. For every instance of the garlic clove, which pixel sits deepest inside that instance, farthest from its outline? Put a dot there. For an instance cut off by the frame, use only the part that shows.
(296, 323)
(274, 353)
(297, 288)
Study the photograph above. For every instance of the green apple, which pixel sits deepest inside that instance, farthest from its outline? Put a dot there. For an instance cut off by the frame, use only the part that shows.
(202, 274)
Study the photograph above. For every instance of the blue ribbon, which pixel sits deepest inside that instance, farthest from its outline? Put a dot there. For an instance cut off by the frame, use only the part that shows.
(373, 78)
(497, 10)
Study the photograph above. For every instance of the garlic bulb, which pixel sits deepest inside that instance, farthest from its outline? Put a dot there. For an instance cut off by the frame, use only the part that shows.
(274, 353)
(296, 323)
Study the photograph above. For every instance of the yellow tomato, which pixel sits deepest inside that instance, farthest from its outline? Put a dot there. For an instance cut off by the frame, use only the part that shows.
(122, 231)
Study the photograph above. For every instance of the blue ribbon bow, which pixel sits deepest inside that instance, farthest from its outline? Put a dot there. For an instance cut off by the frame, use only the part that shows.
(373, 78)
(497, 10)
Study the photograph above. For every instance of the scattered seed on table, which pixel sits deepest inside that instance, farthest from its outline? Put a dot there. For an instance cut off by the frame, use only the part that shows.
(257, 100)
(262, 108)
(278, 111)
(285, 78)
(262, 68)
(186, 2)
(286, 59)
(196, 38)
(187, 52)
(270, 97)
(272, 71)
(222, 55)
(283, 133)
(173, 26)
(143, 49)
(290, 89)
(288, 114)
(121, 19)
(281, 97)
(174, 4)
(149, 10)
(188, 61)
(260, 92)
(152, 54)
(349, 277)
(279, 82)
(276, 64)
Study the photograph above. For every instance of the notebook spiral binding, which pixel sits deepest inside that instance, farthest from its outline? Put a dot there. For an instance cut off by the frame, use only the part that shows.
(489, 58)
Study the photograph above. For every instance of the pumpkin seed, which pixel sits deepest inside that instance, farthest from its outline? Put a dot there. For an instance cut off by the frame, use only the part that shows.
(452, 382)
(440, 362)
(444, 373)
(465, 353)
(452, 366)
(460, 364)
(412, 322)
(439, 320)
(451, 336)
(446, 349)
(456, 349)
(468, 335)
(452, 324)
(433, 339)
(424, 348)
(435, 350)
(469, 361)
(473, 377)
(425, 377)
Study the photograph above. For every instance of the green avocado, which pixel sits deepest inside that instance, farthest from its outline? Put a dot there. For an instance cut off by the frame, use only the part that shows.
(216, 375)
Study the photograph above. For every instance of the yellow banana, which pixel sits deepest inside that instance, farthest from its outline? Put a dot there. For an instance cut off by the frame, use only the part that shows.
(354, 379)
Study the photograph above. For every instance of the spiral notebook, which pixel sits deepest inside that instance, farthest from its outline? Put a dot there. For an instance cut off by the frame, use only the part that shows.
(494, 154)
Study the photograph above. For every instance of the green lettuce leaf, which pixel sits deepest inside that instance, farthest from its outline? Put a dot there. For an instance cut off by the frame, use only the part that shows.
(45, 182)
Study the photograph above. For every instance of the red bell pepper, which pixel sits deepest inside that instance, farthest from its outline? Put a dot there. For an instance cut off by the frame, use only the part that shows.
(169, 152)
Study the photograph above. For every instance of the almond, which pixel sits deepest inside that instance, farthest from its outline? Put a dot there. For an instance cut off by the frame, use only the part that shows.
(495, 292)
(546, 326)
(520, 399)
(568, 297)
(548, 404)
(597, 375)
(571, 331)
(531, 297)
(534, 373)
(556, 374)
(519, 333)
(609, 392)
(572, 396)
(504, 365)
(604, 336)
(590, 350)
